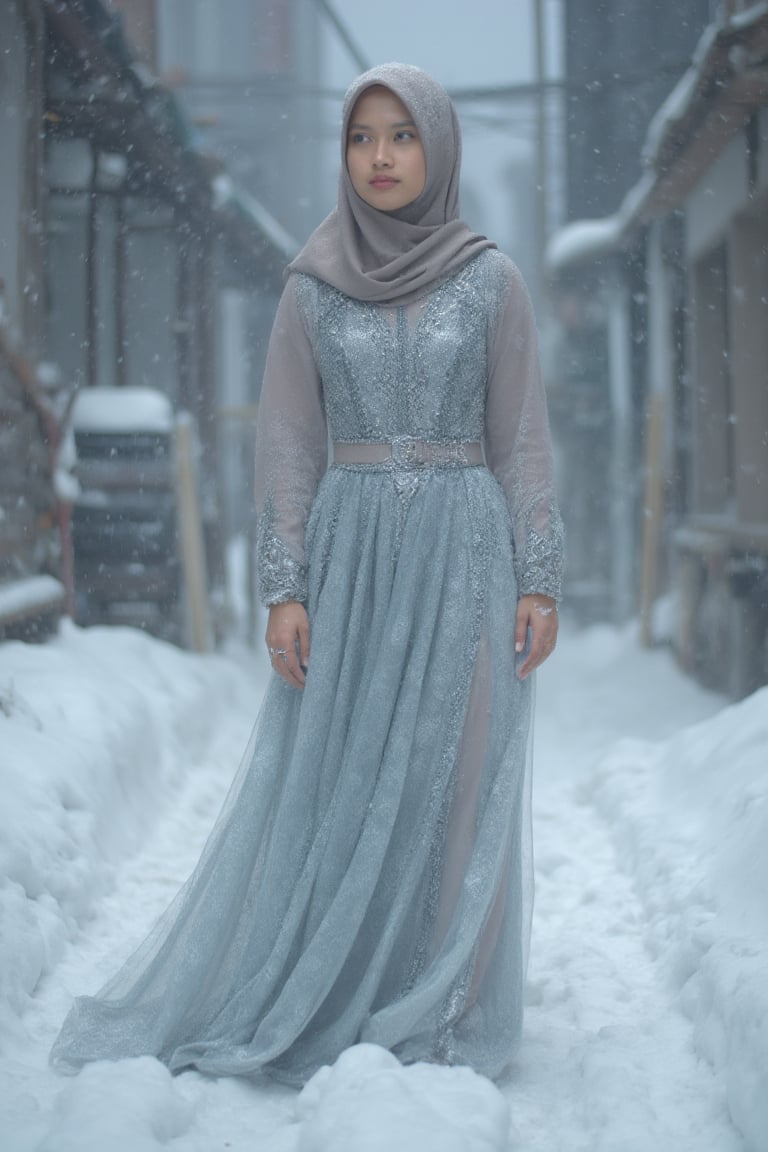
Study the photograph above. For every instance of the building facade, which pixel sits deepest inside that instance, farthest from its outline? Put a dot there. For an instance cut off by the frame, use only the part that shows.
(621, 61)
(30, 549)
(680, 270)
(123, 246)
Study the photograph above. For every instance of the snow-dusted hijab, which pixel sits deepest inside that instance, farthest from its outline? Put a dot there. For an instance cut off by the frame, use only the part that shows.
(396, 256)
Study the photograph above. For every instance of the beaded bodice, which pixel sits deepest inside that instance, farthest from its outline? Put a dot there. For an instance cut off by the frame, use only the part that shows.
(418, 371)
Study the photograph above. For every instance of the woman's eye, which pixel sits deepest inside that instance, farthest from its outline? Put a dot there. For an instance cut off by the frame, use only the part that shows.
(357, 138)
(405, 135)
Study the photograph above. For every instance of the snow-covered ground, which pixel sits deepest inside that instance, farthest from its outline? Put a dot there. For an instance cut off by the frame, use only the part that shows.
(647, 1023)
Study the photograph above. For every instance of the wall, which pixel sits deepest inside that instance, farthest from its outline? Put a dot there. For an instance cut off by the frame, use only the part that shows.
(20, 190)
(623, 57)
(27, 517)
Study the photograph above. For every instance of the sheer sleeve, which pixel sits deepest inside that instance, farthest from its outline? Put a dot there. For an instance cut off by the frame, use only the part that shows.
(291, 453)
(517, 442)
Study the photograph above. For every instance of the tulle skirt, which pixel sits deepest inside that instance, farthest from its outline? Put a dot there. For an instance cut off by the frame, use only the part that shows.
(368, 878)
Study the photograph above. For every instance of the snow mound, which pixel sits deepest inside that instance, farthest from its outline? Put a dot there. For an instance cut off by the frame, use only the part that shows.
(368, 1102)
(96, 728)
(690, 819)
(137, 1099)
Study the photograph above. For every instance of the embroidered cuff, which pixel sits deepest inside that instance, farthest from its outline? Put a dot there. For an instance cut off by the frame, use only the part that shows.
(281, 576)
(540, 567)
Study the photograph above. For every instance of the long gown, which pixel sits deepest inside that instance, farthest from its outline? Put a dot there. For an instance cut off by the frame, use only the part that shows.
(369, 876)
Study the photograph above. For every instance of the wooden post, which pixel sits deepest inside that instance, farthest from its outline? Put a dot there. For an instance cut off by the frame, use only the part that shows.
(622, 514)
(207, 401)
(91, 271)
(653, 512)
(660, 381)
(182, 322)
(190, 521)
(121, 277)
(32, 301)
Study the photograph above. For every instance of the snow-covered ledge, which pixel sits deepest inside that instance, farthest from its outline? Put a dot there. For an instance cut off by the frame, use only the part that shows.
(582, 241)
(29, 596)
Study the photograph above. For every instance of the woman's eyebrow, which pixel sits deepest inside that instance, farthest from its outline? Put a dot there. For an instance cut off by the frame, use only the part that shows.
(396, 124)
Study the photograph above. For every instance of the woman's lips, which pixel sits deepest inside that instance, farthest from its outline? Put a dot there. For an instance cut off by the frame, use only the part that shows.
(382, 182)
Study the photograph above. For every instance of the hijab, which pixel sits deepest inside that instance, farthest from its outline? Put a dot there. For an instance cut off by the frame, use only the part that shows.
(396, 256)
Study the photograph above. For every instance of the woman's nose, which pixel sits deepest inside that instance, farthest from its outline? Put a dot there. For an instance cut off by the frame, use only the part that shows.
(382, 153)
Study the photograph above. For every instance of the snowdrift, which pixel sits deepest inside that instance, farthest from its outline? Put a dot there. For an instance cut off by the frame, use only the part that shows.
(99, 730)
(690, 818)
(95, 727)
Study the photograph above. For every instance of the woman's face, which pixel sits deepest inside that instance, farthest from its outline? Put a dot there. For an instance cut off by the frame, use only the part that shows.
(385, 159)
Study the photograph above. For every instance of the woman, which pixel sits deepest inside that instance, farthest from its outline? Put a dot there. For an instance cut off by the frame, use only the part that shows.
(368, 877)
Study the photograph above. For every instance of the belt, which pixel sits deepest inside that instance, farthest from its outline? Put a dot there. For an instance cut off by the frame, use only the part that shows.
(404, 452)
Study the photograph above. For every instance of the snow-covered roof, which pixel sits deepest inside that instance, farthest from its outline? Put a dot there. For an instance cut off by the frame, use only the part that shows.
(122, 410)
(672, 111)
(706, 84)
(584, 240)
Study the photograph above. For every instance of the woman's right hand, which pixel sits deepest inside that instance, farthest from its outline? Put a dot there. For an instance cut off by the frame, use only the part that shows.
(287, 624)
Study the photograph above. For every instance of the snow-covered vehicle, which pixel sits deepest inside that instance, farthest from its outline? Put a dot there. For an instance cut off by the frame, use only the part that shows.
(126, 564)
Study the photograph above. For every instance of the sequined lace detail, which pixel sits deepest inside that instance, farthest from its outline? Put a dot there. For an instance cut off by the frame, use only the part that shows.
(540, 569)
(281, 576)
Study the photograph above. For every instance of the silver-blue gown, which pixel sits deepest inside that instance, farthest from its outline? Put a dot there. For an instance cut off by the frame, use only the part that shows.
(369, 876)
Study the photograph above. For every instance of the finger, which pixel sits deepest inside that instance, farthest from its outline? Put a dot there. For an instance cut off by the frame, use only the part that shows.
(286, 661)
(522, 621)
(281, 642)
(530, 664)
(283, 669)
(543, 635)
(292, 670)
(538, 655)
(304, 643)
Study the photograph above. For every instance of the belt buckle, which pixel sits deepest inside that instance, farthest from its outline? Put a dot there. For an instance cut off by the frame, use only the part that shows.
(404, 452)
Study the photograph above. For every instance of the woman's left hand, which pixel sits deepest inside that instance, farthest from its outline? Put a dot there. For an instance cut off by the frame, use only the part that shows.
(539, 613)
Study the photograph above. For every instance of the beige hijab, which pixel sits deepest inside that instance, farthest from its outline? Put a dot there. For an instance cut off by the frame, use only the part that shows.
(396, 256)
